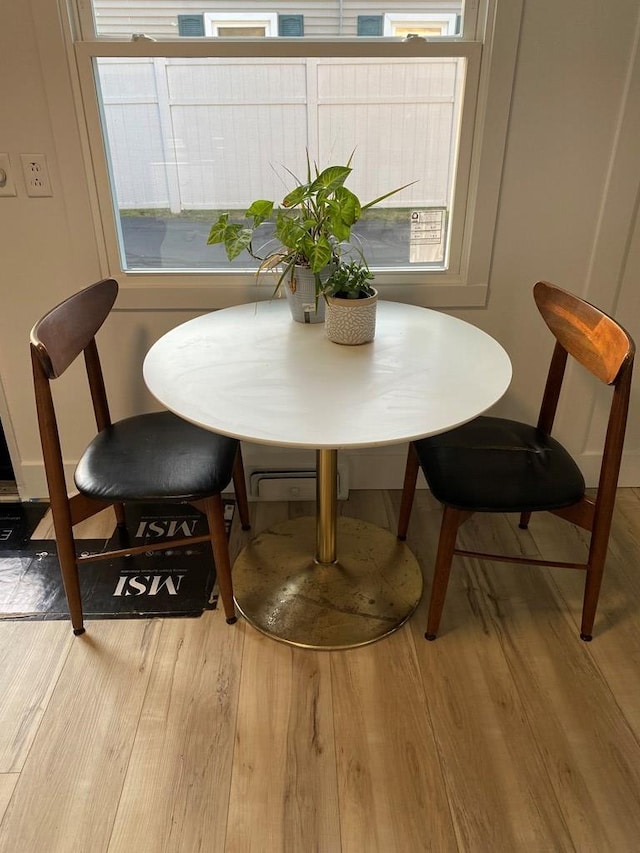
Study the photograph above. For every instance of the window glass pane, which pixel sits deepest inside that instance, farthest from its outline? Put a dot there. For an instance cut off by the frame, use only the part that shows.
(228, 31)
(188, 139)
(161, 19)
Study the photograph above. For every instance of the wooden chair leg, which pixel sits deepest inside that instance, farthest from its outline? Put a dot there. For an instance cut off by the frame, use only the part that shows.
(120, 516)
(451, 521)
(595, 571)
(240, 488)
(525, 518)
(214, 509)
(590, 603)
(408, 491)
(66, 548)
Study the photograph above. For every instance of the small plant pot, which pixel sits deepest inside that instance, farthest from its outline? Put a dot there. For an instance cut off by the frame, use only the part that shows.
(300, 290)
(351, 321)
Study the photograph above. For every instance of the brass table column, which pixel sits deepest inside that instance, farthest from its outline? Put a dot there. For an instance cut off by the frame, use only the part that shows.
(327, 505)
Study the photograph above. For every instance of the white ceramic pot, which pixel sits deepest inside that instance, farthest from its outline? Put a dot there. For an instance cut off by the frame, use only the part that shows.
(351, 321)
(300, 290)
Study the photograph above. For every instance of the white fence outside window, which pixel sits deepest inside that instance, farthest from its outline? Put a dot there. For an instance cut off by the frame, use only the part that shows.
(199, 133)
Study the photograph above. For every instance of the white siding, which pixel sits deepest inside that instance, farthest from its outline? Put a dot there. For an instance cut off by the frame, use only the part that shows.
(160, 18)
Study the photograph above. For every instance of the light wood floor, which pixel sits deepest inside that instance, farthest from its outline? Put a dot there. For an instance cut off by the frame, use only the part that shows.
(506, 734)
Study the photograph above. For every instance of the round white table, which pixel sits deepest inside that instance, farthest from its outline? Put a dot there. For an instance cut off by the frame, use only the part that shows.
(252, 373)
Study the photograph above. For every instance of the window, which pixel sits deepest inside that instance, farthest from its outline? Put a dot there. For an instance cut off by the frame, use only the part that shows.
(245, 24)
(426, 25)
(183, 126)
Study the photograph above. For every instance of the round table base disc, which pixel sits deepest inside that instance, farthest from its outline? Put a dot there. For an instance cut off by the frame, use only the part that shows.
(370, 592)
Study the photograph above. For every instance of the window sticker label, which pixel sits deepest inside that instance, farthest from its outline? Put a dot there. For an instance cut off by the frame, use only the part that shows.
(428, 235)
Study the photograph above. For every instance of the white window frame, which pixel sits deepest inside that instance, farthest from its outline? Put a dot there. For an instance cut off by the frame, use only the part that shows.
(393, 20)
(212, 20)
(489, 47)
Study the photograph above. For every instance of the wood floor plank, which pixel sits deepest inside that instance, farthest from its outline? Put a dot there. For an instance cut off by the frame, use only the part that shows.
(7, 784)
(495, 775)
(616, 645)
(69, 788)
(99, 526)
(284, 796)
(370, 504)
(177, 788)
(591, 755)
(32, 655)
(269, 513)
(392, 793)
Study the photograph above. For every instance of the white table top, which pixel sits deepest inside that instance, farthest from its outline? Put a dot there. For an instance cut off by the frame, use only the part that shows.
(253, 373)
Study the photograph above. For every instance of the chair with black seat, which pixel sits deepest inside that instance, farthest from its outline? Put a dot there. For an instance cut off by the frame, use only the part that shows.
(145, 458)
(496, 465)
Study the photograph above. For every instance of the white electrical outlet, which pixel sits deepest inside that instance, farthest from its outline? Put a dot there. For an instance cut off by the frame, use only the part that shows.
(36, 175)
(7, 186)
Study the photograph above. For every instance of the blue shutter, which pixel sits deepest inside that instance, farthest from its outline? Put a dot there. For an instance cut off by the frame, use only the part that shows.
(369, 25)
(191, 25)
(290, 25)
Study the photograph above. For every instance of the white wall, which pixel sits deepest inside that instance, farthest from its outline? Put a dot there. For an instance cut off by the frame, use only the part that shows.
(568, 213)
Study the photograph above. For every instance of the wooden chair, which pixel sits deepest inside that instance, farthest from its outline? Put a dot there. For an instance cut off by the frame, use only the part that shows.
(146, 458)
(497, 465)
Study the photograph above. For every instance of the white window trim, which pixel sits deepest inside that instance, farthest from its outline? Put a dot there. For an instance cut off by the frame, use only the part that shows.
(464, 284)
(391, 20)
(268, 19)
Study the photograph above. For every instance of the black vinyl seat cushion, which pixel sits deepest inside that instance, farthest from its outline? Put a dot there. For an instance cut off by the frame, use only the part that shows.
(498, 465)
(155, 456)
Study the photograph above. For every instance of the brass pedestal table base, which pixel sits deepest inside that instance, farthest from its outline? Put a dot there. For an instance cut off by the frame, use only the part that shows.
(370, 591)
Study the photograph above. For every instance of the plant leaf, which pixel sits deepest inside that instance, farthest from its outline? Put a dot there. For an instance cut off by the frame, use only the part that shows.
(218, 230)
(339, 228)
(236, 240)
(319, 254)
(289, 230)
(331, 178)
(260, 211)
(296, 195)
(349, 205)
(271, 261)
(386, 195)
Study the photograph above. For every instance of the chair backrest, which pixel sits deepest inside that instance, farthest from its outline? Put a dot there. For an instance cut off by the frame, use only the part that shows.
(593, 338)
(606, 350)
(56, 341)
(65, 331)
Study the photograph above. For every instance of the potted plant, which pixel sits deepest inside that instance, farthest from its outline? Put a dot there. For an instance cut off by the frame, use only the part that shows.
(312, 226)
(351, 303)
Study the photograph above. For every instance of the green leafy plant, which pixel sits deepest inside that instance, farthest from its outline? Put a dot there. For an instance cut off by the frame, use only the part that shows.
(312, 224)
(349, 280)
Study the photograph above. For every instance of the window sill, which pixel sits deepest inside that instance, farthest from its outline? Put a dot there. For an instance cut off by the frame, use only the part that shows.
(208, 296)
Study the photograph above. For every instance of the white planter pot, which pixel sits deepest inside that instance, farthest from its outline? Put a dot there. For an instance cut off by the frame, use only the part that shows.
(351, 321)
(300, 291)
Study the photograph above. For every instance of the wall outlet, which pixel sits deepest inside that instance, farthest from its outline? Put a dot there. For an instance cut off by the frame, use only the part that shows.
(7, 186)
(36, 175)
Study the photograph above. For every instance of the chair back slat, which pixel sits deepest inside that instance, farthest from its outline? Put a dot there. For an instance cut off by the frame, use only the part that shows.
(96, 385)
(62, 334)
(593, 338)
